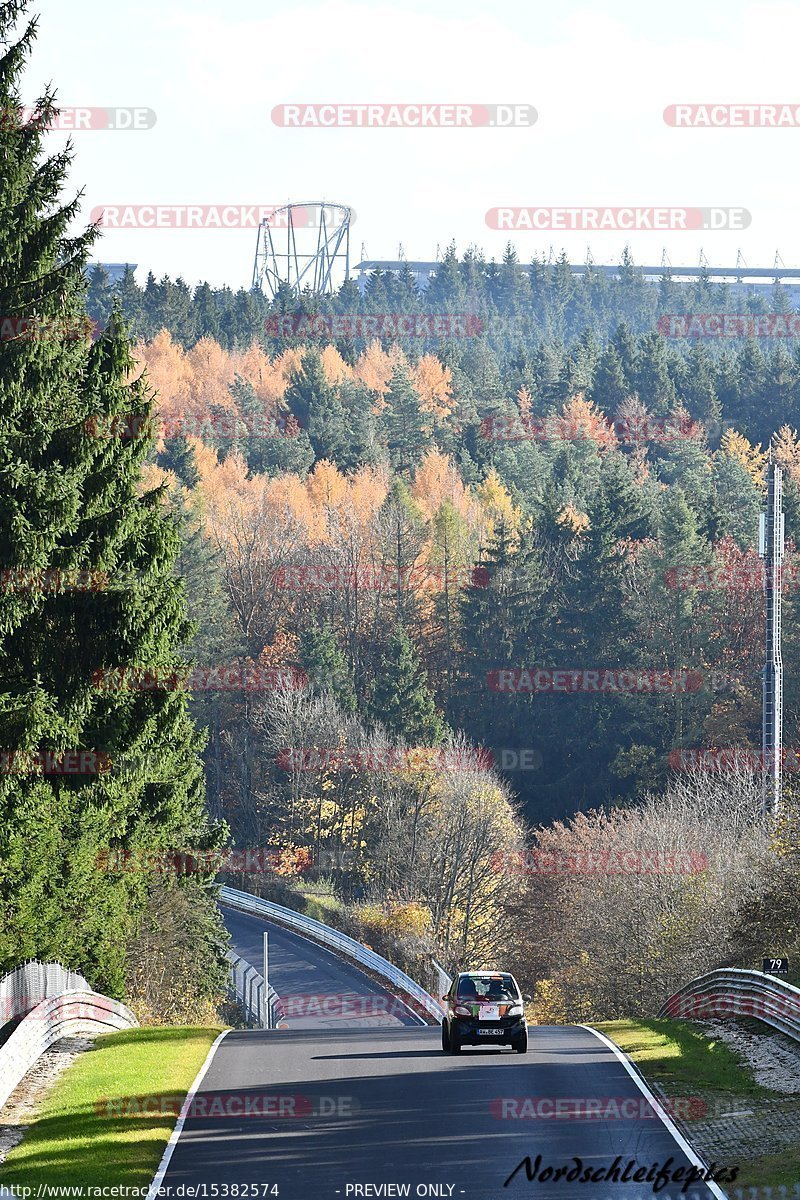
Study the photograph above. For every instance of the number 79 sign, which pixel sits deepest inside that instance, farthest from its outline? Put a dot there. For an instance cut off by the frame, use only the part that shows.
(776, 966)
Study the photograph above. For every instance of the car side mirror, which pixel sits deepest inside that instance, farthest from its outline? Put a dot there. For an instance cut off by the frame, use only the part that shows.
(526, 997)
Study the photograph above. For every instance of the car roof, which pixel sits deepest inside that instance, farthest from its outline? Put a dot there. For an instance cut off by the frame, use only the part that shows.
(485, 975)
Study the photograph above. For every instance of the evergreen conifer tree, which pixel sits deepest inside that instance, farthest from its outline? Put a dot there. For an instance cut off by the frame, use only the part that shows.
(88, 590)
(400, 698)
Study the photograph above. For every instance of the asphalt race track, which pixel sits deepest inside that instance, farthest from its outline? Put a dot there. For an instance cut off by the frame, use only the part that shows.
(318, 990)
(337, 1106)
(332, 1110)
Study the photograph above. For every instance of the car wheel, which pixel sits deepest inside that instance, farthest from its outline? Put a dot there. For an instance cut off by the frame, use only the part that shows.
(520, 1044)
(445, 1037)
(455, 1043)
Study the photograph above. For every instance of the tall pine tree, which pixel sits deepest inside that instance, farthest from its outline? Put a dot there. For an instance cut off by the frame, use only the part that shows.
(399, 697)
(88, 588)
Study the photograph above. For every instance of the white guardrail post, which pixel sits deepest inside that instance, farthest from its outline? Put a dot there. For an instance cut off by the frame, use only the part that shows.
(346, 946)
(737, 993)
(67, 1015)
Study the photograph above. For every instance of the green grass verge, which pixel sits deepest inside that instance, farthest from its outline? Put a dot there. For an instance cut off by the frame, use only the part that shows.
(321, 907)
(683, 1062)
(771, 1171)
(77, 1138)
(674, 1054)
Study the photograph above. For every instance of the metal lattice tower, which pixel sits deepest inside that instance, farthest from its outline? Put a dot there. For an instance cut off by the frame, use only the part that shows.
(288, 253)
(771, 550)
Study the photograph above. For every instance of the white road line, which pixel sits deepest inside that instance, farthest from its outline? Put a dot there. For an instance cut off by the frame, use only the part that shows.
(169, 1149)
(688, 1150)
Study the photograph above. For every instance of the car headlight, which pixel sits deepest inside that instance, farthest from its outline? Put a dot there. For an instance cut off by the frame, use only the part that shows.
(462, 1011)
(516, 1010)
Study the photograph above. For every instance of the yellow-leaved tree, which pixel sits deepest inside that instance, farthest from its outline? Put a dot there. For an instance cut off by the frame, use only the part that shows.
(497, 508)
(753, 459)
(433, 383)
(375, 368)
(786, 451)
(581, 420)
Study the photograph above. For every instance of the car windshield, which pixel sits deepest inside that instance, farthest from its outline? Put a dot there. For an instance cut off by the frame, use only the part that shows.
(486, 987)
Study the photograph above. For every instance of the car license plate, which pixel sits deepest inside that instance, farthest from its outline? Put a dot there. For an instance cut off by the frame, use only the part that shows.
(491, 1032)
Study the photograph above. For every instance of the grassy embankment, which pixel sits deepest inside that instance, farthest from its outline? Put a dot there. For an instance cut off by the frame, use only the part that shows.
(677, 1057)
(80, 1137)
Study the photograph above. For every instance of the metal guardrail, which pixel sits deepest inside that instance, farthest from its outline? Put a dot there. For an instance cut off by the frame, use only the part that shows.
(260, 1000)
(737, 993)
(68, 1015)
(339, 942)
(31, 982)
(445, 980)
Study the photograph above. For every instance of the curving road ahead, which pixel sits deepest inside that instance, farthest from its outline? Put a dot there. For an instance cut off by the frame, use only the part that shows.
(338, 1106)
(318, 990)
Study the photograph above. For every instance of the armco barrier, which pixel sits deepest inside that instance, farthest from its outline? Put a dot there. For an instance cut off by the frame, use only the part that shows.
(29, 983)
(445, 980)
(67, 1015)
(261, 1002)
(339, 942)
(737, 993)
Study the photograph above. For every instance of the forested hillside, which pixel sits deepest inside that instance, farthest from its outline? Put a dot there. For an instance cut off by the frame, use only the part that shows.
(396, 590)
(507, 500)
(501, 576)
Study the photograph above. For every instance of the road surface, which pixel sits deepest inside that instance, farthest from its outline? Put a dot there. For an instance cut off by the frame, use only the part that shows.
(346, 1113)
(318, 990)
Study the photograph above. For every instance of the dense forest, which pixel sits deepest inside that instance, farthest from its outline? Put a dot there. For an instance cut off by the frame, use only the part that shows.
(510, 500)
(523, 550)
(386, 610)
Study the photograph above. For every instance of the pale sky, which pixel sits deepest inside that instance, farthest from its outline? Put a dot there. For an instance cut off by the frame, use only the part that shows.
(599, 78)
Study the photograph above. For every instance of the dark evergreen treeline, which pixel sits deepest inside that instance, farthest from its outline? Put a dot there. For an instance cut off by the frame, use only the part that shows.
(544, 328)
